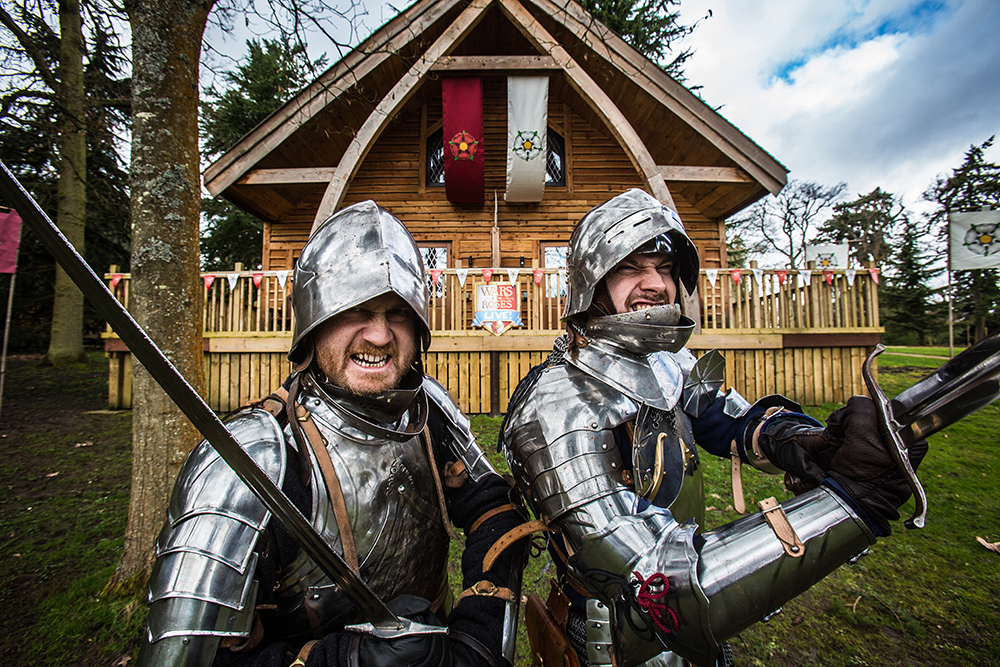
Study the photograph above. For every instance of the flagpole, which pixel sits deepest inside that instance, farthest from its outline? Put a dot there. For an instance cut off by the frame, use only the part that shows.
(951, 307)
(10, 306)
(6, 332)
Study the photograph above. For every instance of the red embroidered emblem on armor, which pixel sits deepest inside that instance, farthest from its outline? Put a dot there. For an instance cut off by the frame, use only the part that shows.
(463, 146)
(649, 601)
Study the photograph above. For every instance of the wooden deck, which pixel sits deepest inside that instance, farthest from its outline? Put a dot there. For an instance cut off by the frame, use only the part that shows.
(778, 335)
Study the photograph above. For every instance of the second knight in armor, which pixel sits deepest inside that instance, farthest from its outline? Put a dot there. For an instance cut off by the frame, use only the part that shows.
(601, 438)
(376, 455)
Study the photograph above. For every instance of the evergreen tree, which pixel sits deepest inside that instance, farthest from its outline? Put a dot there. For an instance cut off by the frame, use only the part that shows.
(906, 310)
(972, 186)
(32, 120)
(649, 26)
(866, 224)
(271, 74)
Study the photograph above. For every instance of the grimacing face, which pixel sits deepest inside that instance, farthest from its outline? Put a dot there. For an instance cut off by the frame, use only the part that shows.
(368, 349)
(640, 281)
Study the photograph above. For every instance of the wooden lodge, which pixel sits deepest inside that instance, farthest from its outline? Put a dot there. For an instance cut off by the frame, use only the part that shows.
(370, 127)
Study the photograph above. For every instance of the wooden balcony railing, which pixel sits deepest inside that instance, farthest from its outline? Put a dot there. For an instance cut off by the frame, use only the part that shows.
(259, 302)
(779, 334)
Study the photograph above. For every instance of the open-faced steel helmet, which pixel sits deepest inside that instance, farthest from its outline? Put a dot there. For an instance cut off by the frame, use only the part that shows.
(358, 253)
(631, 222)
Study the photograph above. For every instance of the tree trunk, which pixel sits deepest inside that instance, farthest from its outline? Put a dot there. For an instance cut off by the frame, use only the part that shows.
(66, 339)
(166, 289)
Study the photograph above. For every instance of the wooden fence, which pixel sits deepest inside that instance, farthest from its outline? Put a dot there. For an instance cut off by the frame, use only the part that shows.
(802, 336)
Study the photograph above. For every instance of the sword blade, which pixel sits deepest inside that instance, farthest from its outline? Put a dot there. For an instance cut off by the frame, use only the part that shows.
(193, 406)
(954, 391)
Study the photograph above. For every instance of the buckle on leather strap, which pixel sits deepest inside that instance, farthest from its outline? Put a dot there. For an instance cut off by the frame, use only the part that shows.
(778, 521)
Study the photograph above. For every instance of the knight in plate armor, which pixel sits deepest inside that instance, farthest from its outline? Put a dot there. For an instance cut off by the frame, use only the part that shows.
(381, 461)
(602, 438)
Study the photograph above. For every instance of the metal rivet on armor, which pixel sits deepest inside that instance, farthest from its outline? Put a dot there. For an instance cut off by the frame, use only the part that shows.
(795, 548)
(604, 445)
(614, 466)
(593, 424)
(315, 596)
(401, 488)
(597, 625)
(185, 641)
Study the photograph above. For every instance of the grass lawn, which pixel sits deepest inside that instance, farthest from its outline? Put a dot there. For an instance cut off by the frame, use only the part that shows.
(927, 597)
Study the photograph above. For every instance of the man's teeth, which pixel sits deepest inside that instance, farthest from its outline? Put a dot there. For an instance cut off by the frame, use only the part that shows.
(644, 306)
(369, 360)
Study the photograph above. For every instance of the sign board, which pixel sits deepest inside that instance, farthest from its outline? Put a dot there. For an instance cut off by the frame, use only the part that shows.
(498, 307)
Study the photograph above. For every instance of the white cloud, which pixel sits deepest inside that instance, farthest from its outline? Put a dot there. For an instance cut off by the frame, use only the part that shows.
(881, 93)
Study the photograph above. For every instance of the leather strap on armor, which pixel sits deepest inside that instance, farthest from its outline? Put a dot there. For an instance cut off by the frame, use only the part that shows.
(455, 474)
(429, 447)
(739, 504)
(490, 513)
(512, 536)
(489, 589)
(300, 659)
(300, 420)
(778, 521)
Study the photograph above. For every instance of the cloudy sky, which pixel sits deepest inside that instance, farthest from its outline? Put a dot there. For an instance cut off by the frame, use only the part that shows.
(887, 93)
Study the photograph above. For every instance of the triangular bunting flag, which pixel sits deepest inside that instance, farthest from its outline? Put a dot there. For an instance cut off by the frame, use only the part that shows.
(735, 274)
(850, 273)
(828, 277)
(462, 274)
(806, 277)
(232, 278)
(209, 279)
(874, 274)
(538, 274)
(512, 275)
(487, 274)
(115, 279)
(758, 275)
(257, 277)
(782, 275)
(282, 277)
(712, 275)
(435, 276)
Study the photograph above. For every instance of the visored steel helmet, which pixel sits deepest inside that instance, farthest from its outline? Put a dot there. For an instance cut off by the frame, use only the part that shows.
(359, 253)
(607, 234)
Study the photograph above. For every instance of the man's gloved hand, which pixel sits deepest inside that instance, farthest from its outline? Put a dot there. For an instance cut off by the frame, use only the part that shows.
(851, 452)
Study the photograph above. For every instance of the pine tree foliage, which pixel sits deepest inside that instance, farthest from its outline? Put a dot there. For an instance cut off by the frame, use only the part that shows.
(649, 26)
(907, 311)
(973, 185)
(272, 73)
(866, 225)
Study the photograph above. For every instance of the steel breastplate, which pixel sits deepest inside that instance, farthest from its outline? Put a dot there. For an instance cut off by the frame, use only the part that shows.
(665, 464)
(401, 543)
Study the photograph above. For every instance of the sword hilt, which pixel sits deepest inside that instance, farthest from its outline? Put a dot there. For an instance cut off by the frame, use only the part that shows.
(889, 429)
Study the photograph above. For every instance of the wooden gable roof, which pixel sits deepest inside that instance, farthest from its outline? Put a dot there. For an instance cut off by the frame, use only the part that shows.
(311, 148)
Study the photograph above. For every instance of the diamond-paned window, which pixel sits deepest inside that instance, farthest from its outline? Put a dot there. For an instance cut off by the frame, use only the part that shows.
(435, 258)
(555, 258)
(555, 159)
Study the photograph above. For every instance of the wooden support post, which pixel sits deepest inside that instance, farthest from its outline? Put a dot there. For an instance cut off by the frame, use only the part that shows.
(494, 383)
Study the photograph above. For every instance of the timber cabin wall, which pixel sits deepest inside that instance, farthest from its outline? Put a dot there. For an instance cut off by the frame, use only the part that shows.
(811, 348)
(393, 172)
(482, 379)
